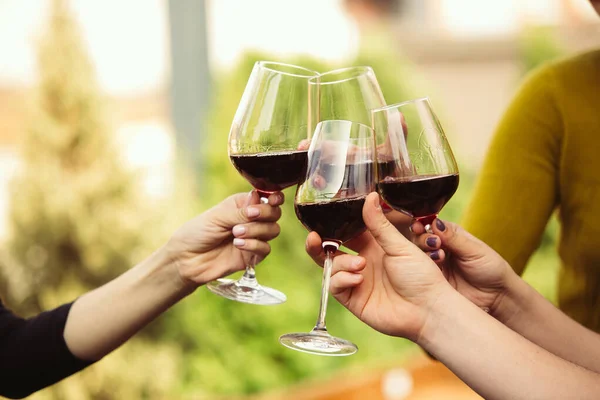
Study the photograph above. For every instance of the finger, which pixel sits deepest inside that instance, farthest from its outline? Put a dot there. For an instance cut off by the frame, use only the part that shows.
(342, 281)
(304, 144)
(258, 247)
(388, 237)
(276, 199)
(428, 242)
(314, 248)
(437, 255)
(348, 263)
(457, 240)
(257, 230)
(259, 212)
(417, 228)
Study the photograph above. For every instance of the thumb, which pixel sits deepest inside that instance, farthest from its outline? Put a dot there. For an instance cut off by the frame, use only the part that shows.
(235, 209)
(458, 241)
(386, 235)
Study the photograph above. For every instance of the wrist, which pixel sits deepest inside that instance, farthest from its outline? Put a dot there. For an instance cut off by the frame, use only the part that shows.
(435, 313)
(162, 270)
(509, 303)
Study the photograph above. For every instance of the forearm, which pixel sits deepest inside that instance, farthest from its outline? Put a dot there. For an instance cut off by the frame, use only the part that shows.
(103, 319)
(527, 312)
(497, 362)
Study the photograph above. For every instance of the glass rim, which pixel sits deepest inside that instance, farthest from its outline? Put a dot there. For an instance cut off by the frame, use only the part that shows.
(360, 124)
(402, 103)
(267, 65)
(361, 70)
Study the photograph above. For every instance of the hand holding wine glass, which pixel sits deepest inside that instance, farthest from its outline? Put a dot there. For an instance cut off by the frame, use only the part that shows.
(391, 284)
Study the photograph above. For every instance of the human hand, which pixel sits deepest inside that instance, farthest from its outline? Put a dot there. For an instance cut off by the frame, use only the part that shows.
(224, 239)
(391, 285)
(473, 268)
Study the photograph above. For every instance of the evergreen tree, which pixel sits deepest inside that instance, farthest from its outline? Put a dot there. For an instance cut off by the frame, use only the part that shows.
(78, 216)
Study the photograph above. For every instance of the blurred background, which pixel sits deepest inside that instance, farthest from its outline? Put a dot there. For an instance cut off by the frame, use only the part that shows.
(114, 118)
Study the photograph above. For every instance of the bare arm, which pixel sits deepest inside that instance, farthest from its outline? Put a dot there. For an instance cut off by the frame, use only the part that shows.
(527, 312)
(103, 319)
(497, 362)
(199, 252)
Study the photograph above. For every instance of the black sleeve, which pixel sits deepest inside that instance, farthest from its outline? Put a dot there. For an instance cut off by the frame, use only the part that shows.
(33, 352)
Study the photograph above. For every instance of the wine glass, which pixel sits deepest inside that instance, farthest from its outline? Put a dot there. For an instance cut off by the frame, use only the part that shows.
(271, 121)
(330, 201)
(344, 94)
(416, 171)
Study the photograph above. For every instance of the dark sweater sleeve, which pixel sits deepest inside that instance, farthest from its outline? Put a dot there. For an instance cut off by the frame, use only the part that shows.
(33, 352)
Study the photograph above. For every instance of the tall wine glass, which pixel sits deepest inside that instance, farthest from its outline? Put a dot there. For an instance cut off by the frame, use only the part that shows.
(417, 172)
(345, 94)
(271, 121)
(330, 201)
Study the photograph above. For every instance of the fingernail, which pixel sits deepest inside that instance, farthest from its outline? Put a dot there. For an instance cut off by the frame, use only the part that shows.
(431, 241)
(356, 262)
(238, 230)
(239, 242)
(435, 255)
(410, 228)
(440, 225)
(377, 202)
(252, 212)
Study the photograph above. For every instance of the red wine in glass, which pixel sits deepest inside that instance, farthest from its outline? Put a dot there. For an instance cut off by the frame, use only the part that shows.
(421, 197)
(416, 170)
(271, 172)
(338, 221)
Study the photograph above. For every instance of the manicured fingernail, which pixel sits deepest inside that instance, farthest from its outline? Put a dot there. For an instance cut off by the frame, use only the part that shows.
(239, 242)
(431, 241)
(440, 225)
(252, 212)
(238, 230)
(435, 255)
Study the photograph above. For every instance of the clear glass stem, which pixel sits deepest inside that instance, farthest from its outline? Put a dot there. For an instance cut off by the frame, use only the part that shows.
(249, 277)
(330, 248)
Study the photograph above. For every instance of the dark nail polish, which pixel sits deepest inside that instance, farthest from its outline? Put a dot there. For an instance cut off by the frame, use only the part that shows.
(431, 241)
(435, 255)
(440, 225)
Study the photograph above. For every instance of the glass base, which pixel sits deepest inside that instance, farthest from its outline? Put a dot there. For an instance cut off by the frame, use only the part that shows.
(319, 343)
(251, 294)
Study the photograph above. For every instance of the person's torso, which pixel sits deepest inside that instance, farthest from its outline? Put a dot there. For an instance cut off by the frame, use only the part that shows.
(577, 89)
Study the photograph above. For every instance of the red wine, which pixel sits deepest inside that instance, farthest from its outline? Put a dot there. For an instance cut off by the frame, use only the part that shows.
(271, 172)
(338, 220)
(422, 197)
